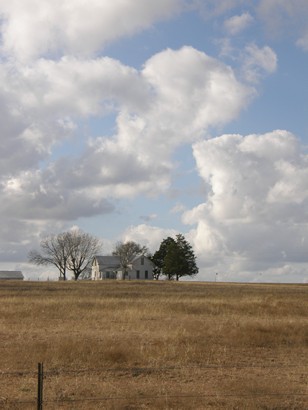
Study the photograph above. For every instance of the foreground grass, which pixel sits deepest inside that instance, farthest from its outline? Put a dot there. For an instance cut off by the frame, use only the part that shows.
(154, 345)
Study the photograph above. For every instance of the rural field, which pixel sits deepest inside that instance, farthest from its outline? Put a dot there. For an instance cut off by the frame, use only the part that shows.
(154, 345)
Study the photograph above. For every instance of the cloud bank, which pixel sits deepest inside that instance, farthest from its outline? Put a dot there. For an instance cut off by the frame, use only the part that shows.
(252, 225)
(253, 216)
(152, 120)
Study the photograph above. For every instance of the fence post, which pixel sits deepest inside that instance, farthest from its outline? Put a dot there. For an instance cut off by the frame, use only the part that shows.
(40, 378)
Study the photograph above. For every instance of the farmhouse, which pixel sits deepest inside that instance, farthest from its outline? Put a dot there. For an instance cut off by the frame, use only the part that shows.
(11, 275)
(109, 267)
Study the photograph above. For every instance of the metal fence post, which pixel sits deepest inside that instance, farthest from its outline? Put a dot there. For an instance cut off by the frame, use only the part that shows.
(40, 377)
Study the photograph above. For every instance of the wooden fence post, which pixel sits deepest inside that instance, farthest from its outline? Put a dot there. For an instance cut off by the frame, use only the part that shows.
(40, 378)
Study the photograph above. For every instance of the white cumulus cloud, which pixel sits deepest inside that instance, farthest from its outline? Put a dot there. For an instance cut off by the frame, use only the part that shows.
(255, 214)
(173, 100)
(35, 28)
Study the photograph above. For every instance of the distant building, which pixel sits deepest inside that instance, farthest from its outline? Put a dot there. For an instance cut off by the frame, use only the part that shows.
(11, 275)
(109, 267)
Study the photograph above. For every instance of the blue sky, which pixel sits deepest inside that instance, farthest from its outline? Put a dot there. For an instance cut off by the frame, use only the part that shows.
(135, 120)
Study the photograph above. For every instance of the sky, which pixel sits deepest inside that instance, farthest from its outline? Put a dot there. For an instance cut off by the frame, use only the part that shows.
(138, 120)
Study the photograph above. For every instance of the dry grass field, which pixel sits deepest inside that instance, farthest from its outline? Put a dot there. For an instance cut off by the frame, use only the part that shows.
(155, 345)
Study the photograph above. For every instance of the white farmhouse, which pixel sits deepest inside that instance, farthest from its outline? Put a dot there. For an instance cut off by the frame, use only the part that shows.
(109, 267)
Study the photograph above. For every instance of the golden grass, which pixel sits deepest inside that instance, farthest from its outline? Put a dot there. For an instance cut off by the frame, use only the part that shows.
(154, 345)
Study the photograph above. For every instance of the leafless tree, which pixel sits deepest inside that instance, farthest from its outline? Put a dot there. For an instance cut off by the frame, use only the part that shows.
(82, 249)
(126, 252)
(72, 250)
(54, 251)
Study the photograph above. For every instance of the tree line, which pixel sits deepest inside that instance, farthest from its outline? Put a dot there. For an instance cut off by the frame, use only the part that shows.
(74, 251)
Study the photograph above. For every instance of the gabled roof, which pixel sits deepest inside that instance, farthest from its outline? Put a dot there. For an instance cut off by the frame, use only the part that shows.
(11, 274)
(112, 262)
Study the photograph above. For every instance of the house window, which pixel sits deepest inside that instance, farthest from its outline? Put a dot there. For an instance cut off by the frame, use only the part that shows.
(142, 260)
(146, 275)
(138, 274)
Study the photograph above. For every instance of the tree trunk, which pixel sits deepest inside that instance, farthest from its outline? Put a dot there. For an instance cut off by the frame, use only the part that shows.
(63, 274)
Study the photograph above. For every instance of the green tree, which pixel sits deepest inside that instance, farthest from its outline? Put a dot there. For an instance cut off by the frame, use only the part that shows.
(127, 252)
(175, 258)
(187, 265)
(159, 257)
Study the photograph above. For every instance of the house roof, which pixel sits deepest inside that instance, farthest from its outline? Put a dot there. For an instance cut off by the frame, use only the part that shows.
(11, 274)
(113, 262)
(108, 261)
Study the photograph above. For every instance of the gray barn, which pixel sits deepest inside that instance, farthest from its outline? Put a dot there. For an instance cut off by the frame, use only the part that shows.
(11, 275)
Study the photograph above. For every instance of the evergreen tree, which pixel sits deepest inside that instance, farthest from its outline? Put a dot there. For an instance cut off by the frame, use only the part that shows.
(159, 257)
(175, 258)
(187, 265)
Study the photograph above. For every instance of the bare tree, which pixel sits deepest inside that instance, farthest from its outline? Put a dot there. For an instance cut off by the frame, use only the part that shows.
(72, 250)
(82, 248)
(54, 251)
(127, 252)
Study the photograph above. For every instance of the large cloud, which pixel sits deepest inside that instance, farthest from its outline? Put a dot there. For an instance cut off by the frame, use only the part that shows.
(34, 28)
(255, 215)
(72, 87)
(194, 91)
(173, 100)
